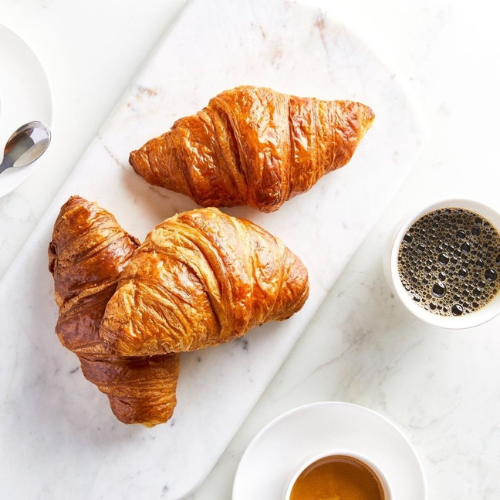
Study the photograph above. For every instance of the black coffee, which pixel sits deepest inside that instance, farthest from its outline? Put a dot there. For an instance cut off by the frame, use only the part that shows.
(449, 261)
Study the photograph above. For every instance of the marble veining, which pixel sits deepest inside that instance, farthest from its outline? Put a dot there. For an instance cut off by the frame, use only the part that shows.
(59, 426)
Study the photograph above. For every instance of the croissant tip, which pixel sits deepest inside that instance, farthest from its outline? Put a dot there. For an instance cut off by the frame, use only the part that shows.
(370, 114)
(140, 164)
(366, 121)
(131, 158)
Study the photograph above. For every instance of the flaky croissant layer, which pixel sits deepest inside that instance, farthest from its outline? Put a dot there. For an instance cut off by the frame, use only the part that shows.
(253, 146)
(202, 278)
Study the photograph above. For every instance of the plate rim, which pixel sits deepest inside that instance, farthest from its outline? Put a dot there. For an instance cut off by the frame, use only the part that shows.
(324, 404)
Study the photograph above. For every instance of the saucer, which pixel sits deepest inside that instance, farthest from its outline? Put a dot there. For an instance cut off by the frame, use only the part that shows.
(25, 96)
(280, 448)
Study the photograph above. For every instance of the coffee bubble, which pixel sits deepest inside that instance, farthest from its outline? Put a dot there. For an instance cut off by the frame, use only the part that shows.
(447, 257)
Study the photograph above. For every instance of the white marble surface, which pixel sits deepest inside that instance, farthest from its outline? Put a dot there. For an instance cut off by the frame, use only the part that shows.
(440, 387)
(217, 387)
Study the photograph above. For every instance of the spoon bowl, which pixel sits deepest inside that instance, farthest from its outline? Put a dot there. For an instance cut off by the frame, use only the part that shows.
(26, 145)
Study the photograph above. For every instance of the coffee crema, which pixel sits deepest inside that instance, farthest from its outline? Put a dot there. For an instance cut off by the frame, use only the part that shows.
(338, 477)
(449, 261)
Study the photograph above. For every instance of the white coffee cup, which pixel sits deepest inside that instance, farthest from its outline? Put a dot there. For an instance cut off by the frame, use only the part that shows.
(383, 479)
(390, 262)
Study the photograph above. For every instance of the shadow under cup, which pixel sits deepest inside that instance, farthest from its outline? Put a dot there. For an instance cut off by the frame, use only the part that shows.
(391, 267)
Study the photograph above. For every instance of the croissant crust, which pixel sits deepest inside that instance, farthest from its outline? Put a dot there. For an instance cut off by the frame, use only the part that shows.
(87, 253)
(253, 146)
(202, 278)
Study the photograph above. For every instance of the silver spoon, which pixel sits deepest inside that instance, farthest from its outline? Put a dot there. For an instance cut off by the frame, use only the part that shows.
(26, 145)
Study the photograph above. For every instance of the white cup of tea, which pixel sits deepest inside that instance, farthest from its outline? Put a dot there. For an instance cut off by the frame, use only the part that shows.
(476, 284)
(347, 473)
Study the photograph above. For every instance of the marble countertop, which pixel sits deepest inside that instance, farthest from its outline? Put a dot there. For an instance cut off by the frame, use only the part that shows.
(440, 387)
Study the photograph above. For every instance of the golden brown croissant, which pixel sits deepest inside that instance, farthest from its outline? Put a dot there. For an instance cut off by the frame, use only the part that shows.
(88, 251)
(253, 146)
(202, 278)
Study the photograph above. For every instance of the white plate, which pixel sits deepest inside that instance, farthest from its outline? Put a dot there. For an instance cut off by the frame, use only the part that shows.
(287, 442)
(24, 96)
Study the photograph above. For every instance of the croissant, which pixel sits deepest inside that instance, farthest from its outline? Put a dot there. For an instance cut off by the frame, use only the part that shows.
(87, 253)
(199, 279)
(253, 146)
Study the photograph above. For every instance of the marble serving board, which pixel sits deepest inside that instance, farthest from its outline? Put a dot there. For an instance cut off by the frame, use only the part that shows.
(58, 436)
